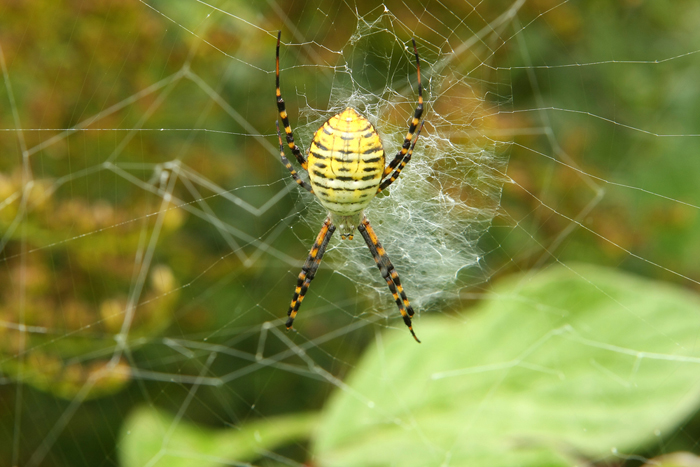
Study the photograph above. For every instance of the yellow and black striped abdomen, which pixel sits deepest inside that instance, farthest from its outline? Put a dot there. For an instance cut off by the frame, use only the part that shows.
(346, 162)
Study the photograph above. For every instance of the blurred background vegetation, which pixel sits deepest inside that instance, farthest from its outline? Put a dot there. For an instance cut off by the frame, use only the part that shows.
(606, 150)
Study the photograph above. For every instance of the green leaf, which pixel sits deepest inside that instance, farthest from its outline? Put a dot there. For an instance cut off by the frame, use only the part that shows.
(675, 459)
(155, 438)
(554, 367)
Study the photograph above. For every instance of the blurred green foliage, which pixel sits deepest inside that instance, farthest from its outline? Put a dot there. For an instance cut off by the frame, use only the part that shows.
(604, 121)
(565, 382)
(570, 383)
(152, 437)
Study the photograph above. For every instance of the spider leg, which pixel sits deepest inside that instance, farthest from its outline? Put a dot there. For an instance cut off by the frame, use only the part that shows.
(406, 160)
(288, 164)
(283, 112)
(388, 273)
(414, 124)
(308, 271)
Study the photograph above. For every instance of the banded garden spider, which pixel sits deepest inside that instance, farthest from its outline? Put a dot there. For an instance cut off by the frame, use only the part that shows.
(345, 163)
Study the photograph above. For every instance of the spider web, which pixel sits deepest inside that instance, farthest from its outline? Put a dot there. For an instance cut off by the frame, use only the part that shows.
(151, 238)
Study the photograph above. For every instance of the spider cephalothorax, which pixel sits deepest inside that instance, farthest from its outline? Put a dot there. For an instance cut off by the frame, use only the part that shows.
(346, 167)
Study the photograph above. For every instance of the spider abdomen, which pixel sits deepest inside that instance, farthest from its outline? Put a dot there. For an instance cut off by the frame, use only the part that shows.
(346, 163)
